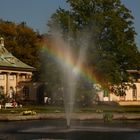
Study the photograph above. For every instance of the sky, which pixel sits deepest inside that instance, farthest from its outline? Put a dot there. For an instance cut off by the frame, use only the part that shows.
(36, 13)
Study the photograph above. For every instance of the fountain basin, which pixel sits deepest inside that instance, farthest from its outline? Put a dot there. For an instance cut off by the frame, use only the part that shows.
(80, 130)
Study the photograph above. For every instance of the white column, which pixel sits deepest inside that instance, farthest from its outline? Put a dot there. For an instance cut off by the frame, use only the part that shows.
(7, 82)
(17, 81)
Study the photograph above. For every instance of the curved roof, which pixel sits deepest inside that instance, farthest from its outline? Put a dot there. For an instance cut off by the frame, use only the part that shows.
(8, 61)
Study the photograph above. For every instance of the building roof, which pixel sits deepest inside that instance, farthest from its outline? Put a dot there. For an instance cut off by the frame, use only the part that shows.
(8, 61)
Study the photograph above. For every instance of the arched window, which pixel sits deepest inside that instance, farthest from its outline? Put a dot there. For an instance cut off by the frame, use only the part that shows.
(1, 89)
(11, 92)
(40, 94)
(134, 92)
(26, 92)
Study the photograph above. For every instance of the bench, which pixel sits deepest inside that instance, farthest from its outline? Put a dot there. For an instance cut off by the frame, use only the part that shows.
(9, 105)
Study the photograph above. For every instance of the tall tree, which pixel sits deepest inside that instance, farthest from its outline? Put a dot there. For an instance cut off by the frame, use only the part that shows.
(108, 27)
(50, 71)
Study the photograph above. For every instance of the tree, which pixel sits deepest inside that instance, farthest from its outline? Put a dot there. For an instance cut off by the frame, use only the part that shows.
(108, 28)
(21, 41)
(50, 72)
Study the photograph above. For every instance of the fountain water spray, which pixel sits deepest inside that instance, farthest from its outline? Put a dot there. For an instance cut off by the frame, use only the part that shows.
(70, 68)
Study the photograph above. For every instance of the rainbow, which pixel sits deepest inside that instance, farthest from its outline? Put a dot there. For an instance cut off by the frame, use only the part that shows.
(86, 72)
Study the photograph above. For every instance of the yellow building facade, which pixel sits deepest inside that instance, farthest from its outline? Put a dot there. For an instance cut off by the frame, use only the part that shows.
(132, 91)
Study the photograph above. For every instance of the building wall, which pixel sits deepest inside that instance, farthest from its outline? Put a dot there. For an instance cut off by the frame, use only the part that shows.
(24, 89)
(129, 94)
(113, 97)
(35, 92)
(32, 86)
(12, 82)
(3, 81)
(138, 91)
(13, 79)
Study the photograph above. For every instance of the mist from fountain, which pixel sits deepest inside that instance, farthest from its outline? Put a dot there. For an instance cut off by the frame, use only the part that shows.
(71, 75)
(71, 65)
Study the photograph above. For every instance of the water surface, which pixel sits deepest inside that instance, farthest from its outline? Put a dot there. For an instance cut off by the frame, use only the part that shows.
(80, 130)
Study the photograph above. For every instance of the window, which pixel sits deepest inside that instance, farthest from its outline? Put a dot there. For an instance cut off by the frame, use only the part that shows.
(106, 93)
(23, 77)
(1, 91)
(26, 92)
(134, 92)
(1, 77)
(11, 77)
(11, 92)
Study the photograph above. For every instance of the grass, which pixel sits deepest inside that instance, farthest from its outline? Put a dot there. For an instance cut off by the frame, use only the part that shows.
(38, 109)
(57, 109)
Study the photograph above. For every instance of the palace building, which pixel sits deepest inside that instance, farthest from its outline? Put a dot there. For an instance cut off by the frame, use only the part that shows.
(13, 74)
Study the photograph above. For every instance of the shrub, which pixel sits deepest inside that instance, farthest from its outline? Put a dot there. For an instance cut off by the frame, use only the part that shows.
(108, 117)
(28, 112)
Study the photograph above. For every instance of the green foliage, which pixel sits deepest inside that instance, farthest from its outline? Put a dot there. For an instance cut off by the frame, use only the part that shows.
(85, 94)
(51, 74)
(109, 34)
(21, 41)
(108, 117)
(2, 95)
(119, 90)
(29, 112)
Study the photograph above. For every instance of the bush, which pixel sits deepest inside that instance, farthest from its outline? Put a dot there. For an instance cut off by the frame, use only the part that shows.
(108, 117)
(29, 112)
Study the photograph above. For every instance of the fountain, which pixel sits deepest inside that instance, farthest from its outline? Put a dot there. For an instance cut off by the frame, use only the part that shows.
(70, 67)
(70, 78)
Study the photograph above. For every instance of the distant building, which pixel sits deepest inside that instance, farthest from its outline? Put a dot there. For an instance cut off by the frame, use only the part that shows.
(132, 91)
(132, 96)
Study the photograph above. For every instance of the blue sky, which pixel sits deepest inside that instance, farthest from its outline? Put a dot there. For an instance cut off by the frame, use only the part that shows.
(36, 13)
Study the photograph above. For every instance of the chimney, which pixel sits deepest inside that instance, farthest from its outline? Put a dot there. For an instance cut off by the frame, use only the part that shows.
(1, 41)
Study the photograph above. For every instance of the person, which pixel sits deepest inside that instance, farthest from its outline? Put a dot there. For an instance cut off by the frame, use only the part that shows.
(14, 103)
(11, 93)
(45, 99)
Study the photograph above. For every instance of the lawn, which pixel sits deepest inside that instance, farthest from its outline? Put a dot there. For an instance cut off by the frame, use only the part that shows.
(57, 109)
(38, 109)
